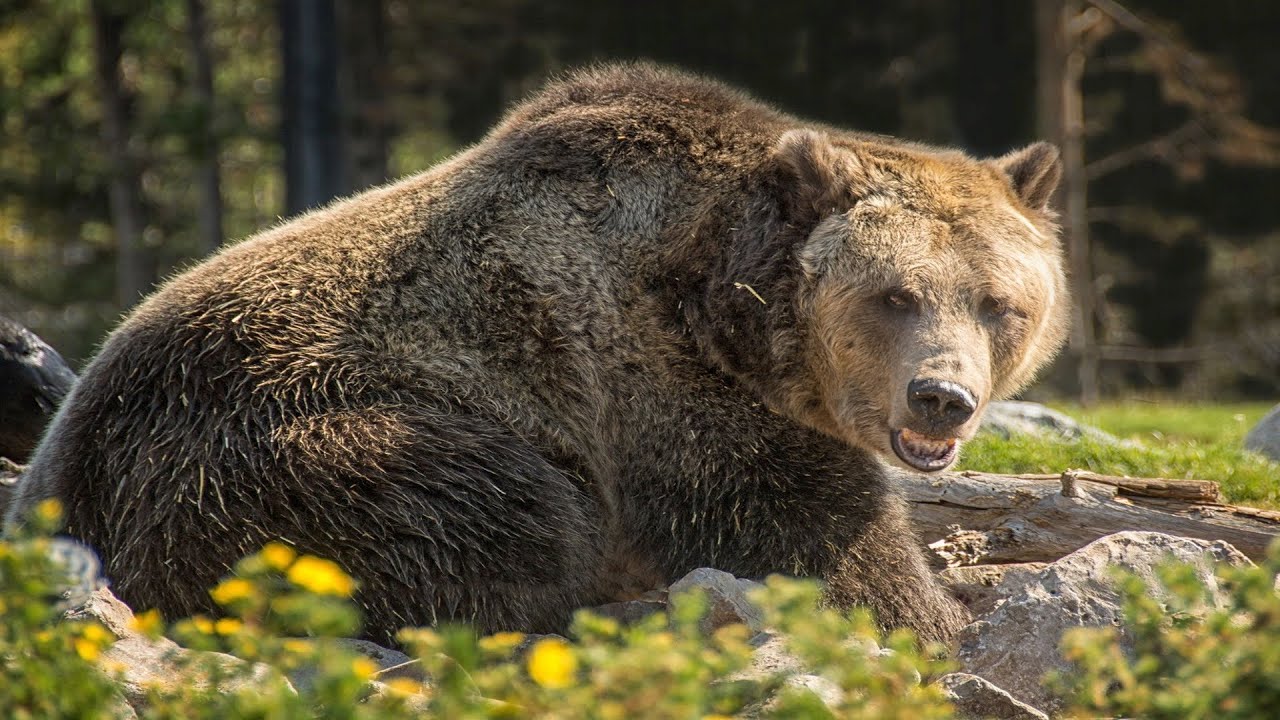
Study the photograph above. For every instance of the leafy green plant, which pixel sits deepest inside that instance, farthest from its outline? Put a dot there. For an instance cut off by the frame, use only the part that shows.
(47, 667)
(1188, 657)
(284, 614)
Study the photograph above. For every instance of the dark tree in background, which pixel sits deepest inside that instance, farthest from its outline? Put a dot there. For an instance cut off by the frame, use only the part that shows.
(126, 206)
(311, 128)
(205, 137)
(364, 75)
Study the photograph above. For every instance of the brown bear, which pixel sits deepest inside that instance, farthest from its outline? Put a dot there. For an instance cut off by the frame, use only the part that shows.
(647, 324)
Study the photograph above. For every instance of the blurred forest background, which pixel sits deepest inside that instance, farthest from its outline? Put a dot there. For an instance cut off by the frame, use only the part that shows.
(139, 136)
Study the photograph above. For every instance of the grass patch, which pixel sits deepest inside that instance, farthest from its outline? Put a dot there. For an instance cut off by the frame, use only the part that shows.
(1170, 441)
(1147, 420)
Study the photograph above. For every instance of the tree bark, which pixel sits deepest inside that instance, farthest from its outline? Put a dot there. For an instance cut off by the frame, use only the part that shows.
(124, 190)
(311, 128)
(974, 518)
(206, 145)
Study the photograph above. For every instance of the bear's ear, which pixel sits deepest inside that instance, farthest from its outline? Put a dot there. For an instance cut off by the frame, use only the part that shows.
(1034, 171)
(819, 177)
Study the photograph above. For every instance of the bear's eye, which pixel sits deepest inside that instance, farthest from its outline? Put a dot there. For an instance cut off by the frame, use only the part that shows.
(995, 307)
(900, 299)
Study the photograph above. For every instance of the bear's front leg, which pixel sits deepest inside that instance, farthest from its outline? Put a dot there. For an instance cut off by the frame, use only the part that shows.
(884, 568)
(753, 493)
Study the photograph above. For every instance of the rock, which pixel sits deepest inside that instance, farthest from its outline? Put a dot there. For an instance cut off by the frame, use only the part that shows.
(828, 692)
(974, 697)
(630, 612)
(379, 691)
(982, 587)
(391, 663)
(771, 657)
(9, 474)
(1264, 438)
(727, 601)
(1012, 417)
(1016, 644)
(145, 664)
(33, 380)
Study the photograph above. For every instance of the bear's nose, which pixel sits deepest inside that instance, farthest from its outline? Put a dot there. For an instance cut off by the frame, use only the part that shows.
(939, 403)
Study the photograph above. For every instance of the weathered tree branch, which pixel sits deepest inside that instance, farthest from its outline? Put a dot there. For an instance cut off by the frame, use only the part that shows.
(979, 518)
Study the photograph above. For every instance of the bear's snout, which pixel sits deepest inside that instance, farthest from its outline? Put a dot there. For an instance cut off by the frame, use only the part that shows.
(940, 406)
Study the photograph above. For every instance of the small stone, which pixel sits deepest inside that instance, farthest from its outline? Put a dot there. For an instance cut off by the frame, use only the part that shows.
(828, 692)
(380, 691)
(974, 697)
(149, 665)
(1264, 438)
(1011, 417)
(727, 601)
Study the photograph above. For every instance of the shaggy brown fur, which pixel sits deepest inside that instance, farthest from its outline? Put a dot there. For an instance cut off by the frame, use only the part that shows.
(640, 328)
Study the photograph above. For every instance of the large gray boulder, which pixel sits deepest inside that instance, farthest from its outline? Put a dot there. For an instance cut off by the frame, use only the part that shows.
(1264, 438)
(1017, 644)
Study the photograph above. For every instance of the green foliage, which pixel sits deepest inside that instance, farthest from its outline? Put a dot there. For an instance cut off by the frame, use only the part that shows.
(662, 667)
(1193, 442)
(46, 667)
(1190, 659)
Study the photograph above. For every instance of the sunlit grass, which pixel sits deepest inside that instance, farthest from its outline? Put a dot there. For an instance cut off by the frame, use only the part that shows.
(1146, 420)
(1169, 441)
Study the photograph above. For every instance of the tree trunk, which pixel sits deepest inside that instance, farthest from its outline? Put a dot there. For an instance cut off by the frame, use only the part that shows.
(312, 132)
(364, 84)
(973, 518)
(1060, 100)
(206, 145)
(124, 189)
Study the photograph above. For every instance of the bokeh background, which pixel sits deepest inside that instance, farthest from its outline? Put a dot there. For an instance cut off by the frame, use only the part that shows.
(137, 137)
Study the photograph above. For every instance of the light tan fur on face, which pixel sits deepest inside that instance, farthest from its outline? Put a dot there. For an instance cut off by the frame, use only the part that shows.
(953, 234)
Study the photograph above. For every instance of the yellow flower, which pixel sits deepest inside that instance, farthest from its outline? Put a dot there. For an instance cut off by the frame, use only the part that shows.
(96, 633)
(87, 649)
(232, 590)
(552, 664)
(228, 626)
(49, 511)
(148, 623)
(404, 686)
(202, 624)
(278, 555)
(364, 668)
(503, 642)
(294, 646)
(320, 576)
(91, 640)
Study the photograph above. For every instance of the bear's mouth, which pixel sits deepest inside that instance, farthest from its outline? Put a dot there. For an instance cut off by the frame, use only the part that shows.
(922, 452)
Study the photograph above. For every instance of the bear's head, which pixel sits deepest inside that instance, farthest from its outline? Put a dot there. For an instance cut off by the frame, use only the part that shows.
(930, 283)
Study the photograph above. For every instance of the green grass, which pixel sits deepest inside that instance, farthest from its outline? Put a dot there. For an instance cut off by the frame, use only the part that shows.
(1167, 440)
(1146, 420)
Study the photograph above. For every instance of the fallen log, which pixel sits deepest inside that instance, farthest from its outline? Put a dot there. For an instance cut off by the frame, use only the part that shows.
(973, 518)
